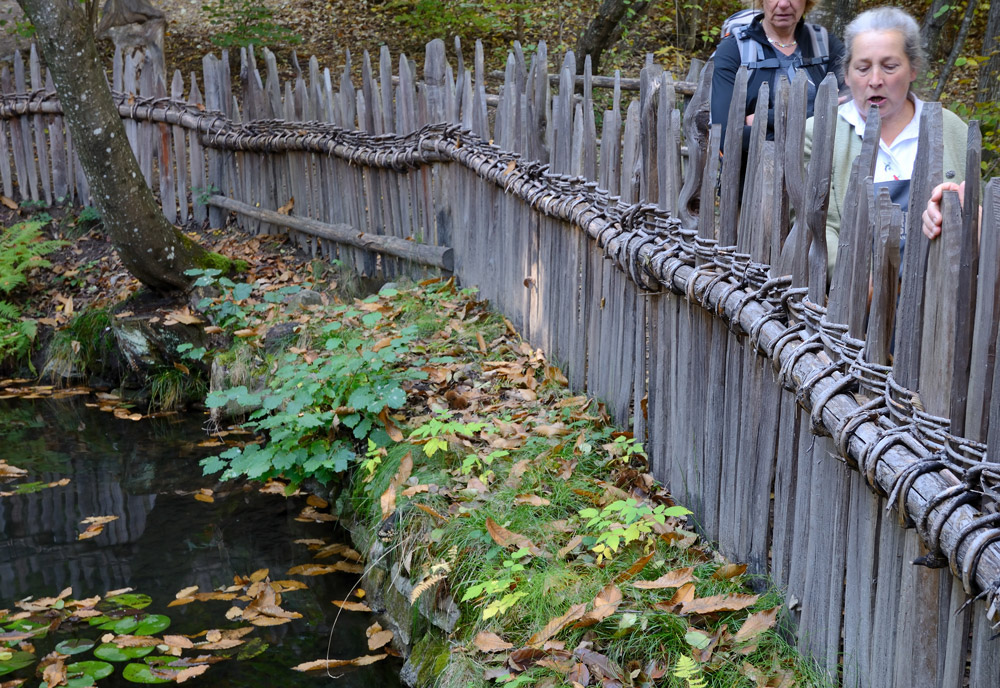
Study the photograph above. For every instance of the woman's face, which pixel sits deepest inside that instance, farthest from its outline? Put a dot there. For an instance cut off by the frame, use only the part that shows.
(879, 73)
(783, 15)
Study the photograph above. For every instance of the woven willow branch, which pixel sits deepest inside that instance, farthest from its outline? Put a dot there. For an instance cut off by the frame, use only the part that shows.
(884, 439)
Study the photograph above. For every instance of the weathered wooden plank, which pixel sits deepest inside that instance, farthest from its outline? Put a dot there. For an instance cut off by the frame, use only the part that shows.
(943, 266)
(6, 164)
(861, 569)
(818, 184)
(729, 196)
(198, 181)
(40, 124)
(910, 311)
(791, 260)
(984, 665)
(967, 287)
(696, 152)
(885, 280)
(986, 319)
(29, 189)
(649, 186)
(631, 158)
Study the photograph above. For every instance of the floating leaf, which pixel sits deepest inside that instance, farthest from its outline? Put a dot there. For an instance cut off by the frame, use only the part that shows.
(351, 606)
(337, 663)
(95, 670)
(18, 660)
(190, 672)
(127, 599)
(321, 569)
(143, 673)
(112, 653)
(490, 642)
(379, 639)
(76, 646)
(154, 623)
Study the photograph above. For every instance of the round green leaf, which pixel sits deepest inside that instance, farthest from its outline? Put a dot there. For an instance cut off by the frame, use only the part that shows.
(154, 623)
(124, 626)
(95, 670)
(143, 673)
(18, 660)
(109, 652)
(128, 599)
(75, 646)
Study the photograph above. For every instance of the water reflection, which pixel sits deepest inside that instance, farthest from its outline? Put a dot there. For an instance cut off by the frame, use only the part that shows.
(164, 540)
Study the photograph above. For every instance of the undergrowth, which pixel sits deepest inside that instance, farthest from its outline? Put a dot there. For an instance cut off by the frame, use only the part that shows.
(22, 249)
(489, 483)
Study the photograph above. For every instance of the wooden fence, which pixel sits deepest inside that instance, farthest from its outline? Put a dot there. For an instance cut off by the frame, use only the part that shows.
(770, 404)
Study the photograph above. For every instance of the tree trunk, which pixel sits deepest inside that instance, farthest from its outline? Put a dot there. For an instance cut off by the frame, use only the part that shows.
(931, 27)
(153, 250)
(605, 28)
(989, 73)
(835, 16)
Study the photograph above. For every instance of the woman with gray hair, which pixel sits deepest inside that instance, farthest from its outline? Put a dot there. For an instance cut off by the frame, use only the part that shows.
(883, 59)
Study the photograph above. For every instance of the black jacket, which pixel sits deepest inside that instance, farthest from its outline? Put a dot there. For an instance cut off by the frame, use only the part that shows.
(727, 63)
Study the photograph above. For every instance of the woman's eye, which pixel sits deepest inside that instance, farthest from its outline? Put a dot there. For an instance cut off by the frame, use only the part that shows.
(861, 69)
(890, 67)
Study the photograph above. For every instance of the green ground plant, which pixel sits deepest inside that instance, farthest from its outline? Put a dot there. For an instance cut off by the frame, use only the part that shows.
(246, 22)
(507, 494)
(22, 249)
(81, 347)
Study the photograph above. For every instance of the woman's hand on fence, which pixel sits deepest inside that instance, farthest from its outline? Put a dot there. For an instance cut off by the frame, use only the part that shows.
(932, 214)
(750, 119)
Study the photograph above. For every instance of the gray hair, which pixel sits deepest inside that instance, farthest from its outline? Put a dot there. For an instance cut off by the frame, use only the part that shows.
(887, 19)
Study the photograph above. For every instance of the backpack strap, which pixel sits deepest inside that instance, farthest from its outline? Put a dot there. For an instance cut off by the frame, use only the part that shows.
(751, 51)
(820, 39)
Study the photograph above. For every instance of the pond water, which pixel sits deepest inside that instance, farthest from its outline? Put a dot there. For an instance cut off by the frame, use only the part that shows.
(164, 540)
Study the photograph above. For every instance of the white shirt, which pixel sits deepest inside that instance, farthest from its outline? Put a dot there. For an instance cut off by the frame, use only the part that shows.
(895, 161)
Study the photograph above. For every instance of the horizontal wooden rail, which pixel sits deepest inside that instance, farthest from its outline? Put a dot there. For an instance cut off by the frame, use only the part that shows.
(425, 254)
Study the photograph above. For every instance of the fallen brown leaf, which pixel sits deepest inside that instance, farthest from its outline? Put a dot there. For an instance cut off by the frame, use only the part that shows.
(718, 603)
(337, 663)
(756, 623)
(505, 538)
(490, 642)
(671, 579)
(557, 624)
(605, 604)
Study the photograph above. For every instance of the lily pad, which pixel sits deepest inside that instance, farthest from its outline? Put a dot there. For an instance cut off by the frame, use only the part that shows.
(143, 673)
(75, 646)
(110, 652)
(18, 660)
(123, 626)
(134, 600)
(94, 671)
(149, 625)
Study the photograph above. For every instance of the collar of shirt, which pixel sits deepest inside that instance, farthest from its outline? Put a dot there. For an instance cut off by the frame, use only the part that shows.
(894, 162)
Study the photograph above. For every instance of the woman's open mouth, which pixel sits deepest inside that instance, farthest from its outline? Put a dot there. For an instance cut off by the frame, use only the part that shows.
(877, 101)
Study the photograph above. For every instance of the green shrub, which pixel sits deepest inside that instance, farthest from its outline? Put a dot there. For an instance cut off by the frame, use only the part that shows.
(246, 22)
(21, 250)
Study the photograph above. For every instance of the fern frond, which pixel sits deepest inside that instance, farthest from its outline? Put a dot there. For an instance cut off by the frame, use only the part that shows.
(425, 585)
(689, 671)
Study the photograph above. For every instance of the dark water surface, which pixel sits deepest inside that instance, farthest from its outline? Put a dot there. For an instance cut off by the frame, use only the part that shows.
(145, 472)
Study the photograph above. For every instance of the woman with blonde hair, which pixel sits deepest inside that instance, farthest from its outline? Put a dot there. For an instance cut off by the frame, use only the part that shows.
(776, 41)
